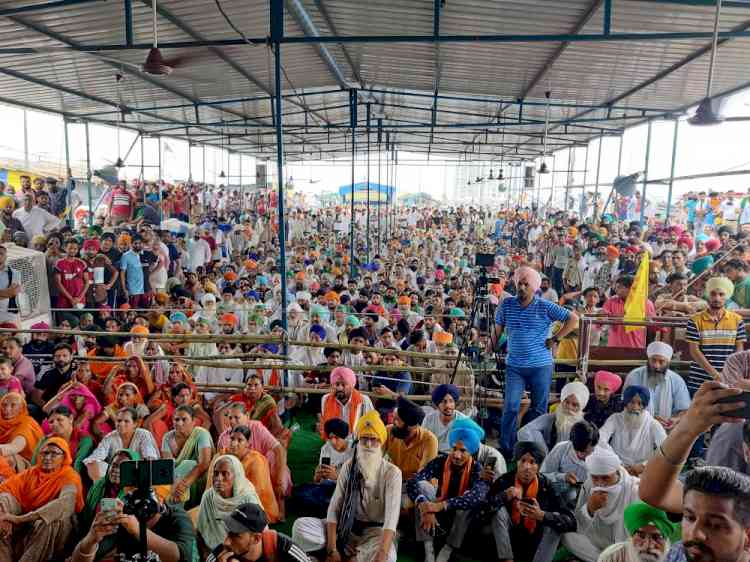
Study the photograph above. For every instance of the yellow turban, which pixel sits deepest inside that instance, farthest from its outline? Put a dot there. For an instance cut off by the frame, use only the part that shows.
(722, 284)
(370, 425)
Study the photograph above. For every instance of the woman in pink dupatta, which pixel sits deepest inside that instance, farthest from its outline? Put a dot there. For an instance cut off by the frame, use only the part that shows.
(79, 400)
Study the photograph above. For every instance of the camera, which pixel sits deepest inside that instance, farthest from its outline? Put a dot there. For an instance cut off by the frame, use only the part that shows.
(484, 260)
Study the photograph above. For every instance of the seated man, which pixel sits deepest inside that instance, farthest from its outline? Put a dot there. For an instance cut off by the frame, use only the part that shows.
(440, 421)
(409, 445)
(170, 534)
(650, 533)
(447, 490)
(669, 393)
(362, 519)
(249, 539)
(313, 498)
(633, 434)
(565, 465)
(550, 429)
(606, 402)
(528, 516)
(344, 401)
(604, 496)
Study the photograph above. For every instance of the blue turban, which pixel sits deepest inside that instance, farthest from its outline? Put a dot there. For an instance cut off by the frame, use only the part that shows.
(468, 432)
(261, 280)
(270, 347)
(178, 317)
(440, 391)
(252, 295)
(318, 329)
(642, 391)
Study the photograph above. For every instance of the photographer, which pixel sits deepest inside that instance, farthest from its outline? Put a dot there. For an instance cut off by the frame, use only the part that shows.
(117, 533)
(249, 539)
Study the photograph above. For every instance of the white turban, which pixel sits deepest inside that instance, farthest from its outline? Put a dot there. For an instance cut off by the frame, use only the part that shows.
(722, 284)
(294, 307)
(603, 461)
(660, 348)
(577, 389)
(304, 296)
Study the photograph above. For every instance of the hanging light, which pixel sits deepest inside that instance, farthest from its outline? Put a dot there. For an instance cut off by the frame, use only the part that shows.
(500, 175)
(222, 174)
(468, 182)
(543, 169)
(492, 176)
(706, 114)
(119, 163)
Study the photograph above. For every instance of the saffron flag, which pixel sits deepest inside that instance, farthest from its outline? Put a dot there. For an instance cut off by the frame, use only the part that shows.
(635, 304)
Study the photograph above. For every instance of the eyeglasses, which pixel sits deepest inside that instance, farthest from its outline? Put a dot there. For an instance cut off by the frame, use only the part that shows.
(655, 538)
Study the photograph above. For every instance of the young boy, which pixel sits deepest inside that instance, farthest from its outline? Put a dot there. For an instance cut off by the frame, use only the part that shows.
(597, 411)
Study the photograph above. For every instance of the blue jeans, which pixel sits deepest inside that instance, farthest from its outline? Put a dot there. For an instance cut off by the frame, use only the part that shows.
(518, 379)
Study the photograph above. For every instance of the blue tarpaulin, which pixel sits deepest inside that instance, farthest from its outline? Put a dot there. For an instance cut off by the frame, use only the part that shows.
(378, 192)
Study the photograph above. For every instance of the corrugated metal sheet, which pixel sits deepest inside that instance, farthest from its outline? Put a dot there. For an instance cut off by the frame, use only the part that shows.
(582, 73)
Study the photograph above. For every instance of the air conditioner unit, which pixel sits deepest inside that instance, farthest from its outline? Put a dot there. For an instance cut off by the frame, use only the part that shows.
(29, 269)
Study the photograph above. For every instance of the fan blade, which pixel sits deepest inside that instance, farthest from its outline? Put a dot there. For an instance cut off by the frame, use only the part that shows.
(192, 76)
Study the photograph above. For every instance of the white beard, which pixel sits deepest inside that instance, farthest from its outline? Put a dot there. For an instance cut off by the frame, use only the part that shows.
(651, 555)
(368, 462)
(632, 422)
(563, 423)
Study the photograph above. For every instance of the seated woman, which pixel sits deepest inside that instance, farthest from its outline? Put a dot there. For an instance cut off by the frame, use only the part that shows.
(107, 487)
(192, 448)
(80, 402)
(227, 490)
(60, 423)
(134, 370)
(128, 396)
(38, 506)
(256, 469)
(19, 432)
(262, 407)
(126, 436)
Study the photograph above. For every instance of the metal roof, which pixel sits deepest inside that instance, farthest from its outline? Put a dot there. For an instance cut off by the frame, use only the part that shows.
(458, 96)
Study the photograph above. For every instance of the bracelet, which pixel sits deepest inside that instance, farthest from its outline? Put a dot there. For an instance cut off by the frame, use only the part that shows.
(88, 555)
(670, 461)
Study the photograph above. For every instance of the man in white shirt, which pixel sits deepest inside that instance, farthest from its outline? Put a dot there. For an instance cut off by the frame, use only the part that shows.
(199, 252)
(35, 220)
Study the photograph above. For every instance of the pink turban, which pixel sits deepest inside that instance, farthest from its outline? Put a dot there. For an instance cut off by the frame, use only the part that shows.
(608, 379)
(345, 374)
(531, 276)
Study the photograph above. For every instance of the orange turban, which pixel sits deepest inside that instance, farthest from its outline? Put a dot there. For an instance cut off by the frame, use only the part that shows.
(139, 331)
(251, 264)
(230, 276)
(332, 296)
(299, 276)
(228, 318)
(443, 338)
(613, 252)
(403, 299)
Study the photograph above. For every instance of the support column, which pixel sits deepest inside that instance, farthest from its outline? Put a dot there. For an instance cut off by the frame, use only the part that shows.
(25, 141)
(277, 32)
(68, 173)
(645, 172)
(351, 218)
(380, 198)
(158, 179)
(671, 170)
(596, 187)
(582, 207)
(367, 229)
(143, 156)
(88, 175)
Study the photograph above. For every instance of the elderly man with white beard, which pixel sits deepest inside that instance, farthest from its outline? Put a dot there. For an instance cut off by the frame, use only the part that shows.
(599, 513)
(550, 429)
(669, 394)
(633, 434)
(364, 510)
(650, 533)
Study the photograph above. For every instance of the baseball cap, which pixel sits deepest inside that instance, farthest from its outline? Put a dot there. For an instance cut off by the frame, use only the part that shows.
(247, 518)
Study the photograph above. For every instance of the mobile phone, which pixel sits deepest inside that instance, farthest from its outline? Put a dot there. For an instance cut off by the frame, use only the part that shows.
(526, 501)
(741, 412)
(108, 505)
(325, 461)
(491, 462)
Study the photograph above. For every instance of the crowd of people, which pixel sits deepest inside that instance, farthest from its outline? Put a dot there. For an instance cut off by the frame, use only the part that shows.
(446, 395)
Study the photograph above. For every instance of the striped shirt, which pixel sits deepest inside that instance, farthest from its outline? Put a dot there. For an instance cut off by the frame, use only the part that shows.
(716, 340)
(527, 329)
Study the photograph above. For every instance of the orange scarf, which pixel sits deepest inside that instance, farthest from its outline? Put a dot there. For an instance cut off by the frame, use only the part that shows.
(446, 480)
(333, 410)
(22, 425)
(34, 488)
(531, 493)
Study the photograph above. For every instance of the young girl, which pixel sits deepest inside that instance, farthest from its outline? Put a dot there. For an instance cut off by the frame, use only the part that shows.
(8, 383)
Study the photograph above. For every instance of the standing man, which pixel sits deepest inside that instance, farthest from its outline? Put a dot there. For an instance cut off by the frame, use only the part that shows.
(132, 274)
(713, 334)
(35, 220)
(526, 320)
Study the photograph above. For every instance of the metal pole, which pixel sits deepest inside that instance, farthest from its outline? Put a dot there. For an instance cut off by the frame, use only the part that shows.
(25, 141)
(380, 199)
(645, 172)
(88, 175)
(351, 220)
(671, 171)
(142, 157)
(552, 185)
(277, 31)
(583, 189)
(596, 187)
(158, 179)
(367, 229)
(190, 162)
(69, 173)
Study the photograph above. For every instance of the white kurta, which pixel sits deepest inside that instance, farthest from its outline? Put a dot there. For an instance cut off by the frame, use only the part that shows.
(632, 446)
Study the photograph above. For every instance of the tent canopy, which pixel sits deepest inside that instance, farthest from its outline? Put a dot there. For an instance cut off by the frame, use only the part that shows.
(379, 193)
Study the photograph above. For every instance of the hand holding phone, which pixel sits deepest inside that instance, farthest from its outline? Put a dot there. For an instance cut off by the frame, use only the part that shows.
(110, 506)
